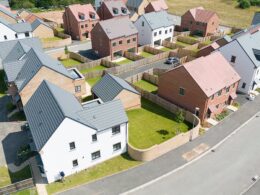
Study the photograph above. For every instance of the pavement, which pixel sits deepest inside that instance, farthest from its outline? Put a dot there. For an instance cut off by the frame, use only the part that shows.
(228, 170)
(127, 180)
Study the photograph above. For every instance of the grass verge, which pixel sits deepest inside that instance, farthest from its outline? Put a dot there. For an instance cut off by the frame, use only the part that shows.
(93, 81)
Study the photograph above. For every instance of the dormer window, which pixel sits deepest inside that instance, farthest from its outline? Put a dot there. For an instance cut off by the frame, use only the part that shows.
(124, 10)
(81, 16)
(115, 10)
(92, 15)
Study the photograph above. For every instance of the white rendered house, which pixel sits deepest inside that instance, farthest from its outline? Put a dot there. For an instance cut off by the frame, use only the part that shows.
(243, 53)
(154, 27)
(70, 137)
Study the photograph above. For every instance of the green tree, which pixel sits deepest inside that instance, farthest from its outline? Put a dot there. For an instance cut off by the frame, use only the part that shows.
(179, 116)
(244, 4)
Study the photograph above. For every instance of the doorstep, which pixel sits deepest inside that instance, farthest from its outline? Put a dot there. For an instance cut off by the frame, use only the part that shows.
(212, 121)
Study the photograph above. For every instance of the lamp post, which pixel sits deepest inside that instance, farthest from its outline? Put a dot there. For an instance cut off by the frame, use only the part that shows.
(193, 125)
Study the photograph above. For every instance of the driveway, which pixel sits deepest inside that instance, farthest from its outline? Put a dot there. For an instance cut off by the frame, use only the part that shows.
(11, 138)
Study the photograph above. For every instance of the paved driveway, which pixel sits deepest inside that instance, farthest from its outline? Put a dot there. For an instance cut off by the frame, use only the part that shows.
(11, 138)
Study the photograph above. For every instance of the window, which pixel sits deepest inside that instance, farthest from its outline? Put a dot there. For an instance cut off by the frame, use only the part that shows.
(142, 23)
(134, 39)
(170, 30)
(75, 163)
(5, 37)
(86, 25)
(155, 34)
(93, 25)
(95, 155)
(27, 34)
(160, 32)
(244, 85)
(78, 88)
(233, 59)
(166, 31)
(94, 138)
(115, 130)
(16, 36)
(217, 106)
(114, 44)
(227, 89)
(116, 146)
(120, 42)
(82, 26)
(219, 93)
(181, 91)
(212, 97)
(128, 41)
(72, 145)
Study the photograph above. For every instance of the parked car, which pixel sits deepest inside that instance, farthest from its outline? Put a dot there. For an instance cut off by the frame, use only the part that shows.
(173, 61)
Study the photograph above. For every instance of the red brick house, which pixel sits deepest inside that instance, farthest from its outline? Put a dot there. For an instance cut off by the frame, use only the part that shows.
(209, 83)
(113, 8)
(113, 37)
(200, 21)
(79, 20)
(156, 6)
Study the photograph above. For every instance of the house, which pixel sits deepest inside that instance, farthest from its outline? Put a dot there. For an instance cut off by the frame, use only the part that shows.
(9, 31)
(223, 40)
(81, 135)
(27, 16)
(256, 19)
(156, 6)
(112, 9)
(111, 39)
(79, 20)
(41, 29)
(154, 28)
(25, 75)
(111, 87)
(200, 21)
(243, 53)
(15, 49)
(7, 15)
(206, 50)
(208, 83)
(136, 8)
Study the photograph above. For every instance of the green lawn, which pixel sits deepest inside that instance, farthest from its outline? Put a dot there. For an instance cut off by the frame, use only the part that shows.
(146, 54)
(30, 191)
(93, 81)
(100, 67)
(7, 177)
(182, 44)
(228, 11)
(59, 29)
(70, 62)
(3, 87)
(106, 168)
(125, 61)
(152, 125)
(165, 49)
(50, 39)
(87, 98)
(146, 86)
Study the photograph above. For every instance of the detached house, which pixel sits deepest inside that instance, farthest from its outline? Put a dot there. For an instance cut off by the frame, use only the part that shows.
(113, 37)
(156, 6)
(26, 74)
(154, 28)
(136, 8)
(70, 137)
(41, 29)
(243, 53)
(111, 87)
(9, 31)
(79, 20)
(200, 21)
(208, 83)
(112, 9)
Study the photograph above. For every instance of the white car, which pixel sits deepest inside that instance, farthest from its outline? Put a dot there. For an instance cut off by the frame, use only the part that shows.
(251, 96)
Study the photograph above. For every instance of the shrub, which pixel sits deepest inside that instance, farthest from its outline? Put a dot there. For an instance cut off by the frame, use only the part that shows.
(179, 116)
(66, 50)
(258, 90)
(244, 4)
(222, 115)
(236, 104)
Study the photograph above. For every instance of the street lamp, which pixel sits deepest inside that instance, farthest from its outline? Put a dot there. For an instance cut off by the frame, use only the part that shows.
(193, 125)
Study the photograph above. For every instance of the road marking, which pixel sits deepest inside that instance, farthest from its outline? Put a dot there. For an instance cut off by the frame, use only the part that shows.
(249, 187)
(192, 161)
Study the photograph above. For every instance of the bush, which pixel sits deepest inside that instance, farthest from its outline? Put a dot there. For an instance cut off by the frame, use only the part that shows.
(222, 115)
(255, 2)
(244, 4)
(179, 116)
(236, 104)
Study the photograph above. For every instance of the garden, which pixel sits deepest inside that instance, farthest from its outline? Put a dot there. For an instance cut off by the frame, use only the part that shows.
(147, 86)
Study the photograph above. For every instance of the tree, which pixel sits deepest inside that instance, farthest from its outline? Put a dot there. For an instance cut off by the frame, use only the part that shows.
(244, 4)
(179, 116)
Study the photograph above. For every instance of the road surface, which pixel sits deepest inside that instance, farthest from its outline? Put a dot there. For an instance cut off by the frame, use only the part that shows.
(227, 171)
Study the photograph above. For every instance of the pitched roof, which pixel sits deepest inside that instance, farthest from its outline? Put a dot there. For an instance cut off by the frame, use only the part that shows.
(159, 5)
(134, 3)
(256, 18)
(17, 27)
(15, 49)
(113, 30)
(118, 5)
(201, 15)
(85, 10)
(5, 3)
(110, 86)
(158, 19)
(37, 23)
(50, 105)
(212, 73)
(34, 61)
(7, 12)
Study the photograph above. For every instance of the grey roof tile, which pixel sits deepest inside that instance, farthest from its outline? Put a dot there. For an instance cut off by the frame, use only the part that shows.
(17, 27)
(119, 5)
(110, 86)
(134, 3)
(13, 68)
(7, 12)
(37, 23)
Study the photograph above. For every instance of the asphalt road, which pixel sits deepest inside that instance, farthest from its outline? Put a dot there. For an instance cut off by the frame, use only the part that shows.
(227, 171)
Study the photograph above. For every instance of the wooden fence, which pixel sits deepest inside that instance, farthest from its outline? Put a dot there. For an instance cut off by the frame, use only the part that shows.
(28, 183)
(132, 56)
(150, 78)
(78, 57)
